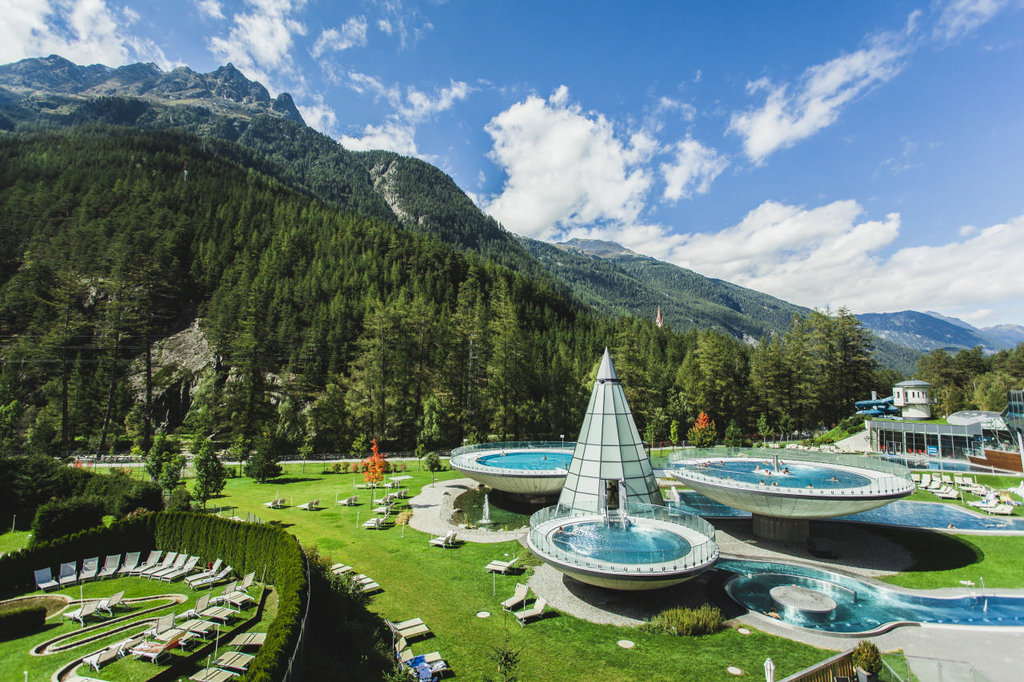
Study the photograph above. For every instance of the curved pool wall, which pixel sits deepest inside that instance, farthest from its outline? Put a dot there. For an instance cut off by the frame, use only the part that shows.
(860, 607)
(517, 467)
(726, 476)
(653, 548)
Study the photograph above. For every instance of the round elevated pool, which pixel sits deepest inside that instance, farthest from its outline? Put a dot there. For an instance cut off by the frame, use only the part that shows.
(646, 550)
(531, 470)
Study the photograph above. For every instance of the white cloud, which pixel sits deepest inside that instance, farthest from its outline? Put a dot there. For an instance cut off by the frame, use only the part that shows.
(210, 8)
(831, 256)
(352, 34)
(259, 42)
(694, 168)
(790, 114)
(319, 115)
(566, 169)
(84, 31)
(410, 107)
(960, 17)
(405, 22)
(393, 136)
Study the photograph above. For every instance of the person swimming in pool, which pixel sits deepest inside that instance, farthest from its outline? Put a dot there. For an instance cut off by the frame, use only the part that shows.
(833, 480)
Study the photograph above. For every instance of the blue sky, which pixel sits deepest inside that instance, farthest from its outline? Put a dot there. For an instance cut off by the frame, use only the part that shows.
(859, 154)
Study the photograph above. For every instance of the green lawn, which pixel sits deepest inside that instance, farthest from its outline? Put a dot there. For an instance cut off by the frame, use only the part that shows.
(447, 587)
(15, 659)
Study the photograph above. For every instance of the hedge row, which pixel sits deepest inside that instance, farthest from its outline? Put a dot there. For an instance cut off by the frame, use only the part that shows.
(267, 550)
(21, 621)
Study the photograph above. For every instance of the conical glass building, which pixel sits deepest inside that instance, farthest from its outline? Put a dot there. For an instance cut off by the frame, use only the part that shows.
(609, 527)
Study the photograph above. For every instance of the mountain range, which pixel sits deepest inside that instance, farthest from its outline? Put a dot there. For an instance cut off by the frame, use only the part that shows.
(224, 105)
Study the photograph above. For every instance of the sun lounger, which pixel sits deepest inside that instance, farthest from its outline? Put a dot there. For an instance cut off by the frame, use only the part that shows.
(501, 566)
(168, 561)
(350, 501)
(535, 611)
(212, 580)
(68, 576)
(312, 505)
(154, 650)
(131, 562)
(371, 586)
(110, 602)
(249, 639)
(213, 675)
(102, 657)
(206, 573)
(151, 561)
(446, 540)
(275, 503)
(926, 480)
(407, 657)
(247, 581)
(412, 628)
(916, 478)
(163, 624)
(178, 564)
(201, 605)
(517, 598)
(171, 576)
(234, 660)
(376, 523)
(197, 626)
(90, 567)
(947, 479)
(83, 611)
(1001, 509)
(947, 493)
(340, 569)
(219, 613)
(110, 566)
(44, 579)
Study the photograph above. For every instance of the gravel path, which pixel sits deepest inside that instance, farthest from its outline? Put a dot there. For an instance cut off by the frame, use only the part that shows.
(432, 511)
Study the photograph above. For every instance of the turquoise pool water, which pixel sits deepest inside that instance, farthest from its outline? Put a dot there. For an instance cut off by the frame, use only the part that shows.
(861, 607)
(903, 513)
(634, 544)
(788, 475)
(532, 460)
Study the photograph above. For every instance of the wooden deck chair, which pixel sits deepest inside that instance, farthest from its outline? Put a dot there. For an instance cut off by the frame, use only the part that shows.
(44, 579)
(110, 602)
(90, 567)
(68, 576)
(213, 675)
(110, 566)
(249, 639)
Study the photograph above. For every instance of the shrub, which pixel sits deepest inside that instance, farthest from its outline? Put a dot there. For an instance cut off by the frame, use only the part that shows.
(20, 621)
(120, 494)
(433, 462)
(355, 467)
(685, 622)
(64, 517)
(867, 657)
(337, 467)
(179, 500)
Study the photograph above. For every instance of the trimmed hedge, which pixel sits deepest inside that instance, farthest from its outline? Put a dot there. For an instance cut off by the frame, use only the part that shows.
(265, 549)
(21, 621)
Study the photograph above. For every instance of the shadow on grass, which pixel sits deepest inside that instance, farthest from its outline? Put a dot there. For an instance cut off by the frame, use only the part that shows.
(933, 551)
(291, 479)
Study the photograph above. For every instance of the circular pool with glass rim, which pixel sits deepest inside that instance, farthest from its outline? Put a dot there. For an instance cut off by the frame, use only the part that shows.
(529, 472)
(620, 543)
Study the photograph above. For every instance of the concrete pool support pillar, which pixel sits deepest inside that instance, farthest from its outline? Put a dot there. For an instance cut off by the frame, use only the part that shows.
(781, 530)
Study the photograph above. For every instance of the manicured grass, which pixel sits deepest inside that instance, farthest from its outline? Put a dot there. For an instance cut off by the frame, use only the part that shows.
(10, 542)
(447, 587)
(15, 659)
(943, 560)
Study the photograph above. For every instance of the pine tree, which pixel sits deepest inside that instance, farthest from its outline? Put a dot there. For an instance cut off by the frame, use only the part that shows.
(211, 476)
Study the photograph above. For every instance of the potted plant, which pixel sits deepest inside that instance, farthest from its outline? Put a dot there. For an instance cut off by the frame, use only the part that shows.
(867, 660)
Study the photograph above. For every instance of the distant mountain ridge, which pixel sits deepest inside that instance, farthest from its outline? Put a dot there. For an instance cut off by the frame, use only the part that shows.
(929, 331)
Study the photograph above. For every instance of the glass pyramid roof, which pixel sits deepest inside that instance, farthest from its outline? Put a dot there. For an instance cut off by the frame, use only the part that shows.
(608, 448)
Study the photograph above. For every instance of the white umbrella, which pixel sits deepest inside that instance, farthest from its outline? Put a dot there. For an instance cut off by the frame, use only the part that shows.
(769, 670)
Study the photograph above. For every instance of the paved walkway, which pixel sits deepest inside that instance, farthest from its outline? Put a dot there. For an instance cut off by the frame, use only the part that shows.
(432, 513)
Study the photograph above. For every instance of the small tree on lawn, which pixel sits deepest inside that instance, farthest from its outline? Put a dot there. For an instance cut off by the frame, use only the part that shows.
(360, 445)
(673, 431)
(375, 466)
(263, 464)
(211, 475)
(160, 454)
(733, 435)
(702, 434)
(763, 427)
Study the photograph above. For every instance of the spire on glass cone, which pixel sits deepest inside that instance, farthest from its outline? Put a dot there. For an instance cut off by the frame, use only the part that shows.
(606, 372)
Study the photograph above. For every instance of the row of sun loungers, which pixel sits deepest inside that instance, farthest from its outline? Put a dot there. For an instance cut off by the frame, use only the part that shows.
(173, 566)
(366, 583)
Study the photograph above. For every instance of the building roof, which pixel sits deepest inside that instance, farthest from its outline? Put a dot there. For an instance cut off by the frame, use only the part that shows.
(988, 420)
(915, 383)
(608, 448)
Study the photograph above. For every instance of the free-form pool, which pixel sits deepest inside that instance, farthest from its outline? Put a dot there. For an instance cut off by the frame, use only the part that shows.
(527, 460)
(860, 606)
(623, 544)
